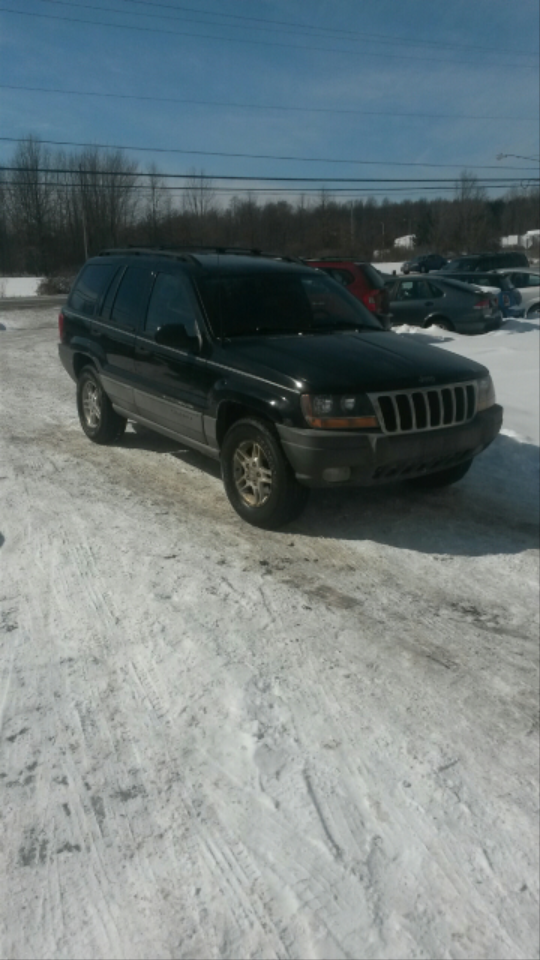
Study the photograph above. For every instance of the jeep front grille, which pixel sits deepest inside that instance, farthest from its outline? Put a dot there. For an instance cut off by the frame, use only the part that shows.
(411, 411)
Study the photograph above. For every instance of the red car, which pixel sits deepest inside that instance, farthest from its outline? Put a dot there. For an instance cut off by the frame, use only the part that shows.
(361, 279)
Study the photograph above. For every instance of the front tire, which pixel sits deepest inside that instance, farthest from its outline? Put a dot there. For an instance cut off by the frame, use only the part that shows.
(444, 478)
(258, 479)
(98, 419)
(532, 310)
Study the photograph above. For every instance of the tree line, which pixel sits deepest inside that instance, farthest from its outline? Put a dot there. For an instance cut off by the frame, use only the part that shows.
(57, 208)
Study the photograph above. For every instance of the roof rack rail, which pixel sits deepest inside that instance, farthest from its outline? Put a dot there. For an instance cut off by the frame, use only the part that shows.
(140, 251)
(189, 251)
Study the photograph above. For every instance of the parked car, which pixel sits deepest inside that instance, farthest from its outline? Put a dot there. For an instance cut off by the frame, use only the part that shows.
(451, 304)
(509, 298)
(424, 263)
(361, 279)
(527, 282)
(271, 368)
(483, 262)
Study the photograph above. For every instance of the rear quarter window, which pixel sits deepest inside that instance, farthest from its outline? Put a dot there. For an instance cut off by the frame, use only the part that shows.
(341, 276)
(90, 287)
(372, 276)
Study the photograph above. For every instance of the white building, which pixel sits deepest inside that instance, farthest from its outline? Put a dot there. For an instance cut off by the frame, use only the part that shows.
(521, 240)
(408, 242)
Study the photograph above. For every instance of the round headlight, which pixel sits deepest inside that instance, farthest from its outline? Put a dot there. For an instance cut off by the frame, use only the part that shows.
(322, 406)
(486, 393)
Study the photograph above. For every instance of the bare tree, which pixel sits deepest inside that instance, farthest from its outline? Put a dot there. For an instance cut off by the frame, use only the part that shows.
(32, 201)
(471, 227)
(199, 196)
(158, 204)
(108, 200)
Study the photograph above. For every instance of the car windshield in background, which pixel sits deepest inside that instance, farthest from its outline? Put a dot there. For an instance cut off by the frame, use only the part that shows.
(265, 303)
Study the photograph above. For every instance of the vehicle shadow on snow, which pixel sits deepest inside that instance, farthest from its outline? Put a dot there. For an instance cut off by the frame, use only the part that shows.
(494, 509)
(144, 439)
(519, 326)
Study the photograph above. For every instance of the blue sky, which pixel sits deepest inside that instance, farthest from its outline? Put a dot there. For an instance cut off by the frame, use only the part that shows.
(326, 80)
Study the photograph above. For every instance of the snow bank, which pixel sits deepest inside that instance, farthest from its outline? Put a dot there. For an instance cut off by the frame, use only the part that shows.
(511, 355)
(389, 267)
(19, 286)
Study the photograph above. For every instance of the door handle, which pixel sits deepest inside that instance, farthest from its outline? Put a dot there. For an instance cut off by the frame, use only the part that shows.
(428, 303)
(142, 352)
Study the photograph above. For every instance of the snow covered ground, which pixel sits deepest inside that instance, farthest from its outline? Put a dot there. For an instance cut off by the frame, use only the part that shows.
(218, 742)
(19, 286)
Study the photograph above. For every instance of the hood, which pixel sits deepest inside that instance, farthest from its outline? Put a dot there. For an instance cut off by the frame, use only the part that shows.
(347, 362)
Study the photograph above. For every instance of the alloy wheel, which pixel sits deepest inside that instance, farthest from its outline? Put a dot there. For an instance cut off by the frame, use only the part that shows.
(91, 404)
(252, 473)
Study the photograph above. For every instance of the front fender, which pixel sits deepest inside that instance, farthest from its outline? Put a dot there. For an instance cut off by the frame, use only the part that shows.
(268, 401)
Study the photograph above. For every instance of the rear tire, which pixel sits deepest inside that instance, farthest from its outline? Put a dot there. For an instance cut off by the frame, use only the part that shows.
(441, 322)
(98, 419)
(258, 479)
(443, 478)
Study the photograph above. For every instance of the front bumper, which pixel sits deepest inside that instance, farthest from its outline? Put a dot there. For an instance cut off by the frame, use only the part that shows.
(366, 459)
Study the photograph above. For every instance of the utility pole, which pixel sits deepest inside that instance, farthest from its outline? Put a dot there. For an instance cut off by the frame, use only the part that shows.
(85, 235)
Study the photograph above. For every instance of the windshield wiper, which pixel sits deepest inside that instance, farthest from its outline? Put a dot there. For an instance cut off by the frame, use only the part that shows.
(342, 325)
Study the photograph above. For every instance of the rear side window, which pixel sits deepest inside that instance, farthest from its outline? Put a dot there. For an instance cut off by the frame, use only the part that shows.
(90, 287)
(525, 279)
(341, 276)
(130, 301)
(466, 264)
(515, 260)
(172, 303)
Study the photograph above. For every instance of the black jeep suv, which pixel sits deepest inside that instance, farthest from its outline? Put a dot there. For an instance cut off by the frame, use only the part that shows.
(272, 368)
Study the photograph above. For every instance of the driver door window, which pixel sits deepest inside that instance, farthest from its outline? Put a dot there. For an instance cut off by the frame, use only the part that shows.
(172, 303)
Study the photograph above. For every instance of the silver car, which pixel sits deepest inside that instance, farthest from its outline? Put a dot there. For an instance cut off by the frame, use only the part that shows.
(527, 281)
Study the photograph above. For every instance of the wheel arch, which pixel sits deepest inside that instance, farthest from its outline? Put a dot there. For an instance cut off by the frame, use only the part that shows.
(80, 361)
(433, 318)
(233, 409)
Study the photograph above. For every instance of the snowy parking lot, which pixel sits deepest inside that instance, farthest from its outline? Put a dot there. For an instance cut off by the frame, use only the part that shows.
(220, 742)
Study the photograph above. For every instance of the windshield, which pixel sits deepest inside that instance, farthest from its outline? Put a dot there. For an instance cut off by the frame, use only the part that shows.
(294, 303)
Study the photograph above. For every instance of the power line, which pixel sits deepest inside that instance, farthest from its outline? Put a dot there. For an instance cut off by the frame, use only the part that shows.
(263, 43)
(204, 176)
(358, 191)
(266, 156)
(282, 26)
(263, 106)
(304, 26)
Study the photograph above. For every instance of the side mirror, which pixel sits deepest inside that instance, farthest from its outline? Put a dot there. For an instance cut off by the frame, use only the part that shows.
(175, 335)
